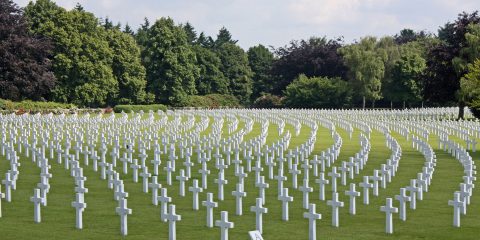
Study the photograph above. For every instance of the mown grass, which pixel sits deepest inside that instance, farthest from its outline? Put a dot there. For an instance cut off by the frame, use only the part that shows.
(431, 220)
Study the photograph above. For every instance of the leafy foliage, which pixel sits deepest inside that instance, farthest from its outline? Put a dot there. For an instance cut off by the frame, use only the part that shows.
(315, 57)
(260, 60)
(236, 70)
(170, 63)
(366, 67)
(138, 108)
(318, 92)
(25, 70)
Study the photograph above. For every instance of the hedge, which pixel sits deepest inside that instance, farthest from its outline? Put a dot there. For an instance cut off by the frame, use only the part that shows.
(137, 108)
(213, 101)
(31, 106)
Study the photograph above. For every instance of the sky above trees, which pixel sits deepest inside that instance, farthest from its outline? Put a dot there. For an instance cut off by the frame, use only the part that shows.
(276, 22)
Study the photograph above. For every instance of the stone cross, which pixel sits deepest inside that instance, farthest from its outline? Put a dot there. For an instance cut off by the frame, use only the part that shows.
(79, 206)
(259, 210)
(280, 178)
(9, 183)
(312, 219)
(321, 185)
(195, 189)
(239, 194)
(204, 171)
(182, 179)
(295, 172)
(135, 167)
(366, 186)
(335, 204)
(221, 181)
(224, 225)
(344, 169)
(154, 185)
(164, 199)
(375, 178)
(169, 169)
(285, 199)
(37, 200)
(123, 212)
(458, 206)
(334, 175)
(145, 175)
(389, 210)
(210, 204)
(403, 199)
(352, 194)
(262, 185)
(172, 218)
(413, 189)
(305, 189)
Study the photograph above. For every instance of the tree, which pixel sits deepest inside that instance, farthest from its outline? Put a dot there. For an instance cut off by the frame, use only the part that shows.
(443, 73)
(128, 30)
(205, 41)
(24, 65)
(82, 56)
(470, 84)
(318, 92)
(405, 84)
(127, 68)
(366, 68)
(236, 70)
(408, 35)
(170, 63)
(211, 79)
(260, 60)
(224, 36)
(313, 57)
(191, 34)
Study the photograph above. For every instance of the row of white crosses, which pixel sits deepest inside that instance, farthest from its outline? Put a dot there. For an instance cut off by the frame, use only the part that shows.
(297, 158)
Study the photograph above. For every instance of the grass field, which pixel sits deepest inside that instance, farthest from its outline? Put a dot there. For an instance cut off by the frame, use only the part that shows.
(431, 220)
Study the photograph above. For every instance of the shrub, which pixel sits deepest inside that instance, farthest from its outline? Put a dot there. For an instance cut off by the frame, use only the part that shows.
(31, 106)
(137, 108)
(318, 92)
(213, 101)
(268, 101)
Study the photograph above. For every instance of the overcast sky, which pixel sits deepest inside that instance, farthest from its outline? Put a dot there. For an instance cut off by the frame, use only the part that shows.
(276, 22)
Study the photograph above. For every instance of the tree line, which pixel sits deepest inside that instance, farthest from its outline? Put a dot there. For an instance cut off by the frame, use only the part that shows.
(71, 56)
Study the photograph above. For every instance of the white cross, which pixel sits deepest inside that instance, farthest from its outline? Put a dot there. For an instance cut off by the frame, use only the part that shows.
(172, 218)
(352, 194)
(37, 200)
(79, 206)
(262, 185)
(295, 172)
(164, 199)
(366, 186)
(154, 185)
(258, 209)
(403, 199)
(224, 225)
(413, 189)
(210, 204)
(458, 205)
(195, 189)
(334, 175)
(389, 210)
(321, 183)
(145, 175)
(285, 199)
(335, 204)
(305, 189)
(312, 219)
(239, 194)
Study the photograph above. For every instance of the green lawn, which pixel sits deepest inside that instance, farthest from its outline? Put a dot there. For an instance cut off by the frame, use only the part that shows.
(431, 220)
